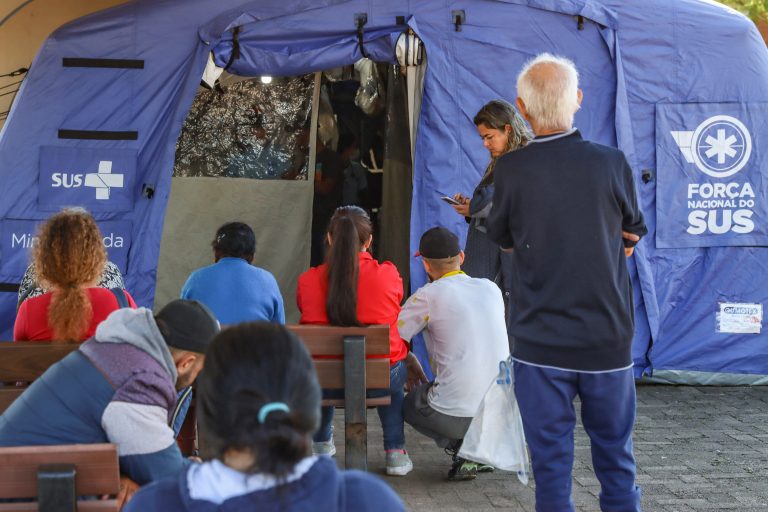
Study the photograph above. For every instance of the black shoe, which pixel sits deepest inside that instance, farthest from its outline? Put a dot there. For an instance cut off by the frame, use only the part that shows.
(462, 470)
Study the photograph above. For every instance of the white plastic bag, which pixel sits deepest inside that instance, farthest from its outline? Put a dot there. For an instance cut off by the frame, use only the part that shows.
(495, 436)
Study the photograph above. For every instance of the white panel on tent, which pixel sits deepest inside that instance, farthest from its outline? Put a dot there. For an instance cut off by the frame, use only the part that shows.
(222, 177)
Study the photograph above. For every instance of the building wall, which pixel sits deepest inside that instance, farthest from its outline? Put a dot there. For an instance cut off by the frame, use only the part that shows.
(24, 25)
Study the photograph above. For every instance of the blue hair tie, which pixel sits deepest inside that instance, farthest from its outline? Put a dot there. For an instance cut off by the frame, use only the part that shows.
(272, 407)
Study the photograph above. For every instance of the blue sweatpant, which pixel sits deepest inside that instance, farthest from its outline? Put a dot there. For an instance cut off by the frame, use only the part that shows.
(545, 397)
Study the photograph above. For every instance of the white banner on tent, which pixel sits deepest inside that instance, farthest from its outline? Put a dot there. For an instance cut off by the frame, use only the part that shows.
(740, 318)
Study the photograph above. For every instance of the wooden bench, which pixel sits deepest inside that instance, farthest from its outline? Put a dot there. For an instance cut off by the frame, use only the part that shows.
(56, 475)
(24, 362)
(350, 359)
(355, 360)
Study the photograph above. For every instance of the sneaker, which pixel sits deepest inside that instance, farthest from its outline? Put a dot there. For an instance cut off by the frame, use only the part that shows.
(485, 468)
(462, 470)
(398, 463)
(324, 448)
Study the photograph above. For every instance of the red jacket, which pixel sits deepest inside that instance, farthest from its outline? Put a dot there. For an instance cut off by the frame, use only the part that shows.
(32, 318)
(379, 294)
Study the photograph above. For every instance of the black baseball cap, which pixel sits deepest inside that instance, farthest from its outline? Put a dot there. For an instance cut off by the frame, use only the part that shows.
(187, 325)
(438, 243)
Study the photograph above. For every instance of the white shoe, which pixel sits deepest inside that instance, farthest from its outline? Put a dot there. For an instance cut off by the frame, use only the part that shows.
(324, 448)
(398, 463)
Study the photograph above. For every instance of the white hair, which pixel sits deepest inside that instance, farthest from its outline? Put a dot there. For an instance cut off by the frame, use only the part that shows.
(551, 99)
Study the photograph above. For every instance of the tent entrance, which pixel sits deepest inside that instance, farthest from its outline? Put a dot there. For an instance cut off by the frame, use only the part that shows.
(251, 150)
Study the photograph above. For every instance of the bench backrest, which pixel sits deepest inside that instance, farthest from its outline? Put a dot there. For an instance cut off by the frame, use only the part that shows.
(326, 344)
(96, 467)
(26, 361)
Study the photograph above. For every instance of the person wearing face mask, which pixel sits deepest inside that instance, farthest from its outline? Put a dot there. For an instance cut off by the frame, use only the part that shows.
(502, 130)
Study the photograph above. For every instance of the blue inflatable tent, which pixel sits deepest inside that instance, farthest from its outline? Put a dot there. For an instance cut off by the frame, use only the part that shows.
(679, 86)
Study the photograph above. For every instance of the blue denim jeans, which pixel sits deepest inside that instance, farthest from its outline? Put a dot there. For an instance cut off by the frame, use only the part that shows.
(391, 415)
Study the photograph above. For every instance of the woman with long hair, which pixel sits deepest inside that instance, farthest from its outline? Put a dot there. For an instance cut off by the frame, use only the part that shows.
(349, 289)
(258, 405)
(69, 258)
(502, 130)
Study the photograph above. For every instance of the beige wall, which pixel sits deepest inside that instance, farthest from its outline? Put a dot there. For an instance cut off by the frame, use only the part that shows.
(22, 34)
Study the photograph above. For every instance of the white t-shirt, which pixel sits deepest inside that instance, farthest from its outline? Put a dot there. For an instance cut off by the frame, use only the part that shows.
(466, 336)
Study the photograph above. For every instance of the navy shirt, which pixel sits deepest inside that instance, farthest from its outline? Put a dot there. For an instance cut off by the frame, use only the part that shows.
(236, 292)
(561, 203)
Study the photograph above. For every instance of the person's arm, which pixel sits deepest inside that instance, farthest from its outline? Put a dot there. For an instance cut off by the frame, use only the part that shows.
(632, 221)
(27, 285)
(481, 202)
(414, 316)
(497, 222)
(186, 290)
(279, 306)
(131, 302)
(137, 422)
(20, 331)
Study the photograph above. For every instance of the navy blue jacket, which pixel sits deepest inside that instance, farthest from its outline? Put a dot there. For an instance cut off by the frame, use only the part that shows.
(561, 203)
(323, 488)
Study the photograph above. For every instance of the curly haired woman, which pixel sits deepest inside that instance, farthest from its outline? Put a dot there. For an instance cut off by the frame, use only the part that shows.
(69, 258)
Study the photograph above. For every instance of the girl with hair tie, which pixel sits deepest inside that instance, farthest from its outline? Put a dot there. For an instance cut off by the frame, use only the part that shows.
(258, 404)
(349, 289)
(69, 259)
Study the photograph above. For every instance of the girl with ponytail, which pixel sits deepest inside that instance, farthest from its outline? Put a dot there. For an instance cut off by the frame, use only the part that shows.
(349, 289)
(69, 258)
(258, 405)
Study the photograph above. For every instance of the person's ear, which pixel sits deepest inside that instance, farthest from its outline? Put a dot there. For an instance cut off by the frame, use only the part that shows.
(521, 107)
(508, 129)
(328, 239)
(579, 97)
(368, 242)
(186, 362)
(461, 258)
(427, 268)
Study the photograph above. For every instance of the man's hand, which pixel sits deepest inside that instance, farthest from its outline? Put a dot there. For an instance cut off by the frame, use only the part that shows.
(127, 489)
(416, 375)
(632, 238)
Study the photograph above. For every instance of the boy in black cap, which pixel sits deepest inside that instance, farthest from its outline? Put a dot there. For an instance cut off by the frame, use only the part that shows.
(119, 387)
(462, 319)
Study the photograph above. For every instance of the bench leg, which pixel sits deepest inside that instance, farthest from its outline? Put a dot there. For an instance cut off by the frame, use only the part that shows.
(56, 488)
(355, 418)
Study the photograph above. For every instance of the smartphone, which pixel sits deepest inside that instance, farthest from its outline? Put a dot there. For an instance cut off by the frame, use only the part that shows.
(450, 200)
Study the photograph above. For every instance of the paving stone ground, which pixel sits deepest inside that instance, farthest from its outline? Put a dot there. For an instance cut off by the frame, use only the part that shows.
(697, 449)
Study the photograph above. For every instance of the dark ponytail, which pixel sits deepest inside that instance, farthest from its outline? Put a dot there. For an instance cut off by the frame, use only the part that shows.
(248, 367)
(349, 228)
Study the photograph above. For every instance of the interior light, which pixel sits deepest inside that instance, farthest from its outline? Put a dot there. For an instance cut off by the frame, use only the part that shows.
(266, 79)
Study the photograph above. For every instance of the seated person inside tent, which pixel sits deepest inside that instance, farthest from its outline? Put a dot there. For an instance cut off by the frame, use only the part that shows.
(234, 289)
(259, 405)
(465, 332)
(119, 387)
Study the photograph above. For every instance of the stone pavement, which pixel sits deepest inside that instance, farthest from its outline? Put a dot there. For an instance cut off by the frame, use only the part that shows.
(697, 449)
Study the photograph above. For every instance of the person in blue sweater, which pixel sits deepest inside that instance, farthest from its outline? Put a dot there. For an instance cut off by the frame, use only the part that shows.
(259, 404)
(567, 209)
(234, 289)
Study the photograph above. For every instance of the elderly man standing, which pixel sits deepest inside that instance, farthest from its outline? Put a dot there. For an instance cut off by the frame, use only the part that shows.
(561, 204)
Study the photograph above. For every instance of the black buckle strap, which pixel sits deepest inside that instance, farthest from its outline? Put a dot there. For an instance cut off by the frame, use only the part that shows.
(235, 48)
(361, 19)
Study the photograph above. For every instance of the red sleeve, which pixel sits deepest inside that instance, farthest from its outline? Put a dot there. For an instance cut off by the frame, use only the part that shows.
(20, 325)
